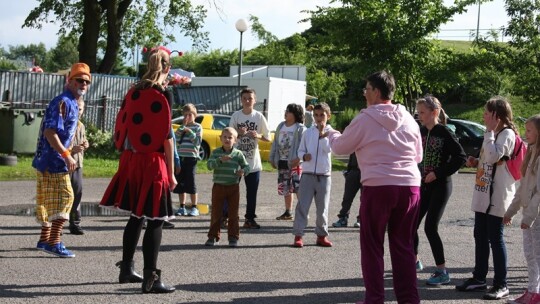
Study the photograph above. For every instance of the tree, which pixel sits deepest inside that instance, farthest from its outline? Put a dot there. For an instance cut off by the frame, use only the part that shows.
(524, 29)
(6, 65)
(111, 25)
(327, 87)
(327, 84)
(468, 77)
(215, 63)
(391, 35)
(33, 53)
(63, 55)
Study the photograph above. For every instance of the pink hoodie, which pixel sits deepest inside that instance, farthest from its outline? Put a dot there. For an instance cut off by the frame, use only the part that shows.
(387, 143)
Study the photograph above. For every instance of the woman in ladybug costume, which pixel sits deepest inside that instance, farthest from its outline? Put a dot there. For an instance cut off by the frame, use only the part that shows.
(145, 173)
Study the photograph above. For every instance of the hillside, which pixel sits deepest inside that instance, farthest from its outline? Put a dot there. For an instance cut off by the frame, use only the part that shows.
(458, 45)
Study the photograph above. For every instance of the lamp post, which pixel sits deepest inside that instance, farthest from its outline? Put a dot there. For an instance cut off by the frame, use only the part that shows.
(478, 22)
(241, 26)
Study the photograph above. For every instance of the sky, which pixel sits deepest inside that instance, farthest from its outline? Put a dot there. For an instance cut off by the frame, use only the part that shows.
(280, 17)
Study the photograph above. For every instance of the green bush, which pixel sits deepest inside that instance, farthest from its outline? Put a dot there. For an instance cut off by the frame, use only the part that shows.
(341, 120)
(101, 143)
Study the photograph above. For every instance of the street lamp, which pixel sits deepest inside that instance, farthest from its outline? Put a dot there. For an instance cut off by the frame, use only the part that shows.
(478, 22)
(241, 26)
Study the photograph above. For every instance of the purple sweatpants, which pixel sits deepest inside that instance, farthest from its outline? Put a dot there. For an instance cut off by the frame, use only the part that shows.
(395, 207)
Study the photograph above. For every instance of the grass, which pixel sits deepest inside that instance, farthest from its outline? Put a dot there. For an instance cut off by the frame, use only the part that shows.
(460, 46)
(98, 167)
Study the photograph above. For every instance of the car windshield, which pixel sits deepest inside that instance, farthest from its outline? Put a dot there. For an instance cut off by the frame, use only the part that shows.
(221, 122)
(476, 128)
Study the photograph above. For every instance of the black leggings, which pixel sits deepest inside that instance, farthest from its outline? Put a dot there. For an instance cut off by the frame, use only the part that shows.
(151, 240)
(433, 199)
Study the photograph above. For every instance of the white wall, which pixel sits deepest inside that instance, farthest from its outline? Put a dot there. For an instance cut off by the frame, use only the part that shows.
(294, 72)
(277, 91)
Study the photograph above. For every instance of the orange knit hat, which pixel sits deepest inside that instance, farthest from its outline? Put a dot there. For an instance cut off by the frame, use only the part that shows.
(80, 70)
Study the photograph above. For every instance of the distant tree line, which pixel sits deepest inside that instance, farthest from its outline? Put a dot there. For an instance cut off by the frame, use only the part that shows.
(344, 44)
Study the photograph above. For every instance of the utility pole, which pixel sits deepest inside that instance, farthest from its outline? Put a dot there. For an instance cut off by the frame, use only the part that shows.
(478, 22)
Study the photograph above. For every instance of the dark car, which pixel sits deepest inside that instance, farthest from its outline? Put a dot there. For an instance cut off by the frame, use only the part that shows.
(469, 134)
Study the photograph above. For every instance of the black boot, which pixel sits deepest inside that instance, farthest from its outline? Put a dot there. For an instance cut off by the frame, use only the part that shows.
(152, 282)
(127, 273)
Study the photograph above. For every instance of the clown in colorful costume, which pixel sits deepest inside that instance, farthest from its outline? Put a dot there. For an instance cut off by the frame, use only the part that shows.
(141, 184)
(46, 157)
(50, 164)
(53, 161)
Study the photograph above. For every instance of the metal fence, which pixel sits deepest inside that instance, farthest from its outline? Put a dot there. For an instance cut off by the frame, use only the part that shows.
(24, 90)
(213, 99)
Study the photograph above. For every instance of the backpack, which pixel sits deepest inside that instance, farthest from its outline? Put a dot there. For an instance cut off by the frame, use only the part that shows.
(516, 159)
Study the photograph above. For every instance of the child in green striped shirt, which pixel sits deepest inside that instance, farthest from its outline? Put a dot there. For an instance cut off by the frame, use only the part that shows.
(229, 165)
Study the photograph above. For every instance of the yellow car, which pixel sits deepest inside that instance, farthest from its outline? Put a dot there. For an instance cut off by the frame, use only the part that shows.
(212, 124)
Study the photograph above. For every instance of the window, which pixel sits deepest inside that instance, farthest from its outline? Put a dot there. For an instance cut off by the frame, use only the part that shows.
(220, 122)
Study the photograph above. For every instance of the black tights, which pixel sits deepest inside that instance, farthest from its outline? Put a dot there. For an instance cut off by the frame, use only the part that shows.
(433, 199)
(151, 240)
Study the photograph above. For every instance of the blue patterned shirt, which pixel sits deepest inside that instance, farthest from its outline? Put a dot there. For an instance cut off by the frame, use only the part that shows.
(46, 158)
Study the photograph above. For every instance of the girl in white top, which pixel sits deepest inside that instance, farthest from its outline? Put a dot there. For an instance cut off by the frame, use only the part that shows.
(493, 192)
(527, 199)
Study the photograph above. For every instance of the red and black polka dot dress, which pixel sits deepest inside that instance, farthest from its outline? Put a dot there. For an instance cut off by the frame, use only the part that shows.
(141, 184)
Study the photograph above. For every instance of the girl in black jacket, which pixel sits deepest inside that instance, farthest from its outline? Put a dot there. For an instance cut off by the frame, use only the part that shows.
(443, 156)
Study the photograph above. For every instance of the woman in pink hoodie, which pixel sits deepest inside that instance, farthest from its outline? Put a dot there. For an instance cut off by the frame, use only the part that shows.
(388, 146)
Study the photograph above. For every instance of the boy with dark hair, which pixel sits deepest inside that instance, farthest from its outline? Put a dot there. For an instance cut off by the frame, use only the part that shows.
(316, 178)
(284, 155)
(251, 126)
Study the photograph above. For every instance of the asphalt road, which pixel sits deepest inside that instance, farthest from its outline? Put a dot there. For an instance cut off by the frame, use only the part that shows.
(264, 269)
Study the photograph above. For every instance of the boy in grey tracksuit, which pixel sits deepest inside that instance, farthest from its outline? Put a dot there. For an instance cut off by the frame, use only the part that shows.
(316, 180)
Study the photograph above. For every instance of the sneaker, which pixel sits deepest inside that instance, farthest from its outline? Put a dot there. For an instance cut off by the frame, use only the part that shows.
(419, 266)
(59, 250)
(472, 284)
(525, 298)
(168, 225)
(285, 217)
(298, 242)
(41, 245)
(76, 230)
(357, 225)
(439, 277)
(181, 211)
(342, 222)
(251, 224)
(323, 241)
(233, 242)
(496, 292)
(193, 211)
(211, 242)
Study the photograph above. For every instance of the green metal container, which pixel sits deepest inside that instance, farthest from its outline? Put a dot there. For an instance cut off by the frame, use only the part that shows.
(19, 129)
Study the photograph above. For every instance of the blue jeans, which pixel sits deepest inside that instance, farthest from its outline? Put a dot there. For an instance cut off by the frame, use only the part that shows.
(252, 187)
(488, 230)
